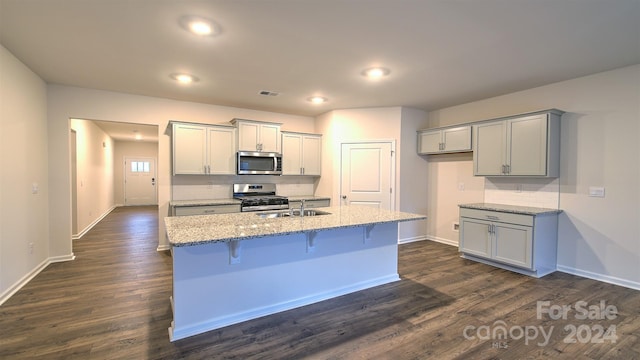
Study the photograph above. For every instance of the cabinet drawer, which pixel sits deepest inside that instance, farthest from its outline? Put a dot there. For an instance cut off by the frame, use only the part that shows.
(205, 210)
(519, 219)
(309, 204)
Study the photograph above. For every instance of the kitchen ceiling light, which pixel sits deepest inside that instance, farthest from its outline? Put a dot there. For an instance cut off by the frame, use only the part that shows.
(375, 72)
(317, 100)
(184, 78)
(199, 26)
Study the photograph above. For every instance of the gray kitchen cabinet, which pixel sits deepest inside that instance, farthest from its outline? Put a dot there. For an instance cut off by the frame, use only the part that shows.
(524, 243)
(519, 146)
(310, 203)
(199, 149)
(258, 135)
(444, 140)
(205, 209)
(301, 153)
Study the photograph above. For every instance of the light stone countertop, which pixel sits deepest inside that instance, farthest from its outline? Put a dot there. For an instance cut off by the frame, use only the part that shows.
(525, 210)
(203, 229)
(203, 202)
(307, 197)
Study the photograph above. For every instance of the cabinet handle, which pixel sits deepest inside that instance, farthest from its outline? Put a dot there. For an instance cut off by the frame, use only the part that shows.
(508, 169)
(444, 146)
(504, 169)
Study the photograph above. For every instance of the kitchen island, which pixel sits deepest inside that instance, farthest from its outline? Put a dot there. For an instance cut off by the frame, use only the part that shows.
(230, 268)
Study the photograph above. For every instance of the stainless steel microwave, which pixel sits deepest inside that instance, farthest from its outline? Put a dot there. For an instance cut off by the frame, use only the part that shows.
(259, 163)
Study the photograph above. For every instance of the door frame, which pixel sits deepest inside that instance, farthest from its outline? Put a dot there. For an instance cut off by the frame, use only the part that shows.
(338, 179)
(126, 160)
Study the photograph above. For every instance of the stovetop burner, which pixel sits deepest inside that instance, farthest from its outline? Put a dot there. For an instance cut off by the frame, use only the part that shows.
(258, 197)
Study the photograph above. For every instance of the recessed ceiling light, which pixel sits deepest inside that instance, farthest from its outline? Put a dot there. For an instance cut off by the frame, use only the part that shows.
(184, 78)
(199, 25)
(317, 100)
(375, 72)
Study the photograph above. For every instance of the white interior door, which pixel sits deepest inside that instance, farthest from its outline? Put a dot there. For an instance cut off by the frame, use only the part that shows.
(366, 176)
(140, 181)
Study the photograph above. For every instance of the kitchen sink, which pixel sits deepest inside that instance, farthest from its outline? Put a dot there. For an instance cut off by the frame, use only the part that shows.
(291, 213)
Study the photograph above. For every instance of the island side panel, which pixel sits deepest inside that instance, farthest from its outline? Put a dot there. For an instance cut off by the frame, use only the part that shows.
(277, 273)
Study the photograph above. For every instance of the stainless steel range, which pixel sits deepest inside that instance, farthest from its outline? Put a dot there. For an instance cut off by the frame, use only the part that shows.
(259, 197)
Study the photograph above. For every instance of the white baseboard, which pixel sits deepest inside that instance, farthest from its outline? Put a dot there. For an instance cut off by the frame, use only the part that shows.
(411, 239)
(443, 240)
(31, 274)
(600, 277)
(90, 226)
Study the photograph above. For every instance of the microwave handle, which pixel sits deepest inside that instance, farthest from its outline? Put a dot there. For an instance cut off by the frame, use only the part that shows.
(275, 163)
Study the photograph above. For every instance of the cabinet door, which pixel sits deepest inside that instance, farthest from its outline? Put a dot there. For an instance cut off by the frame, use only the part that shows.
(248, 136)
(513, 244)
(291, 154)
(527, 145)
(269, 138)
(311, 155)
(489, 148)
(457, 139)
(429, 142)
(189, 149)
(221, 155)
(475, 238)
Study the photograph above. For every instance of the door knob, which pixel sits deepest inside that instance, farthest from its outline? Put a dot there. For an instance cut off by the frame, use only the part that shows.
(344, 196)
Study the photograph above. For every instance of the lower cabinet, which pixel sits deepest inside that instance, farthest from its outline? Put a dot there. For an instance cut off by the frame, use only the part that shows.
(205, 209)
(310, 204)
(524, 243)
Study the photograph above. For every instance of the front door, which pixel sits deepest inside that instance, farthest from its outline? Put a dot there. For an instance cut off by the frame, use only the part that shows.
(367, 174)
(140, 181)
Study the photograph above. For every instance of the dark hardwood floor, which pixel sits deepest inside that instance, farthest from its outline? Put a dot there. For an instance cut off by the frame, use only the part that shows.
(112, 302)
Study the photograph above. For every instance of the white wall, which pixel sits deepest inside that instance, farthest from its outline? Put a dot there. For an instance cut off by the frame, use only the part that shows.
(598, 237)
(70, 102)
(24, 216)
(128, 149)
(412, 189)
(450, 182)
(95, 185)
(367, 124)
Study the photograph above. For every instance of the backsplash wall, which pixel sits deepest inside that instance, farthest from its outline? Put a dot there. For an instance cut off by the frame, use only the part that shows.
(534, 192)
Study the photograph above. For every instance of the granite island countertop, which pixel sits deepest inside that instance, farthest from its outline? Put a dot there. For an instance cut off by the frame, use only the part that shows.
(525, 210)
(202, 229)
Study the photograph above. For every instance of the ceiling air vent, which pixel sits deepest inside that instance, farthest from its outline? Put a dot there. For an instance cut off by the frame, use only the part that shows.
(268, 93)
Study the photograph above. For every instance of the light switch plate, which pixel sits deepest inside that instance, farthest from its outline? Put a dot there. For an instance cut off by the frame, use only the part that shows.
(596, 191)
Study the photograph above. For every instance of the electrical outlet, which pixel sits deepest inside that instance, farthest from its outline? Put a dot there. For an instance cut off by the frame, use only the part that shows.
(30, 248)
(460, 186)
(596, 191)
(455, 226)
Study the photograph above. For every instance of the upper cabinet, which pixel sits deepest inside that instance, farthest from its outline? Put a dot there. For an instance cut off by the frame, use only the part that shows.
(203, 149)
(520, 146)
(301, 153)
(257, 135)
(445, 140)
